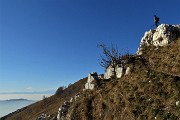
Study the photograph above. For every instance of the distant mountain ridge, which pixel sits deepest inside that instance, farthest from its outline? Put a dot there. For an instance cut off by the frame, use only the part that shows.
(32, 92)
(20, 99)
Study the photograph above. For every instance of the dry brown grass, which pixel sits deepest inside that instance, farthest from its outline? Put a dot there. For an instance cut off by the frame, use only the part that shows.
(140, 95)
(49, 105)
(165, 59)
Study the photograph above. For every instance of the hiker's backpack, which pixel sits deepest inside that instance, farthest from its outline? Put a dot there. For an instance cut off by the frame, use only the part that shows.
(157, 19)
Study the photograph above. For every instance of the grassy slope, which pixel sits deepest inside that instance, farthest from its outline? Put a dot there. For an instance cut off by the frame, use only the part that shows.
(165, 59)
(150, 90)
(49, 105)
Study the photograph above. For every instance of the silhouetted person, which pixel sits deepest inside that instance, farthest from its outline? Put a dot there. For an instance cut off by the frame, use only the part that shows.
(156, 20)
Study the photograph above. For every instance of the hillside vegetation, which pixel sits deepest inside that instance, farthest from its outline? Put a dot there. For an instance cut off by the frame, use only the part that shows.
(151, 91)
(165, 59)
(49, 105)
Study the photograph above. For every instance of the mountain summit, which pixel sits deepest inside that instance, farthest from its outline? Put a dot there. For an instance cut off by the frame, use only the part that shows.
(146, 87)
(161, 36)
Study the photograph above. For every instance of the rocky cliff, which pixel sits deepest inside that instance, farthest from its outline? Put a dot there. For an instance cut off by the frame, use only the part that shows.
(161, 36)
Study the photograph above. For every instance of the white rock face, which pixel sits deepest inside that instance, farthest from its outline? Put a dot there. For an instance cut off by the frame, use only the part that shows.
(91, 77)
(161, 36)
(119, 70)
(127, 70)
(109, 73)
(89, 86)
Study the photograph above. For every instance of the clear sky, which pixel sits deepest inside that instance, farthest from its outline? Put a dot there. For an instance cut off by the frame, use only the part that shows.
(45, 44)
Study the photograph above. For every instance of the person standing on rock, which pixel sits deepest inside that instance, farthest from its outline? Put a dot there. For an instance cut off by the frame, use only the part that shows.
(156, 20)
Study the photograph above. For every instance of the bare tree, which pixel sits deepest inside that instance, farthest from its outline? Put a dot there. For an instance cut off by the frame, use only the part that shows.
(112, 57)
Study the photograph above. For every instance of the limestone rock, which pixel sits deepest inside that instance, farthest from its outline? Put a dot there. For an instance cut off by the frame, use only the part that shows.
(91, 77)
(119, 71)
(127, 70)
(161, 36)
(110, 72)
(177, 103)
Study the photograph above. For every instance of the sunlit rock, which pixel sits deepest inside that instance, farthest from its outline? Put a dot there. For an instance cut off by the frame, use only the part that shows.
(91, 77)
(119, 71)
(127, 70)
(161, 36)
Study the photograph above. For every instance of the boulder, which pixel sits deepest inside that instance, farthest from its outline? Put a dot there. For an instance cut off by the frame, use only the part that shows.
(110, 72)
(119, 71)
(127, 70)
(91, 77)
(177, 103)
(89, 86)
(161, 36)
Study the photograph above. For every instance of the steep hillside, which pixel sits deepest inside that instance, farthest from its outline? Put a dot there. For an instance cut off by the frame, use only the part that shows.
(165, 59)
(150, 90)
(49, 105)
(145, 94)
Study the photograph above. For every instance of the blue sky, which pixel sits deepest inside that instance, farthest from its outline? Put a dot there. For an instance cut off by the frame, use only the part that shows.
(45, 44)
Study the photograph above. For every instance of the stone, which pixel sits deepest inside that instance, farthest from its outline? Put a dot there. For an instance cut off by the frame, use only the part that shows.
(43, 116)
(161, 36)
(71, 100)
(127, 70)
(89, 86)
(77, 96)
(119, 71)
(62, 111)
(177, 103)
(91, 77)
(110, 72)
(101, 76)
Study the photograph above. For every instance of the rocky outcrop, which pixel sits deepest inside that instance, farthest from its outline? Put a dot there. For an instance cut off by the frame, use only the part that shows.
(119, 71)
(110, 72)
(92, 77)
(44, 116)
(127, 70)
(63, 110)
(161, 36)
(116, 72)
